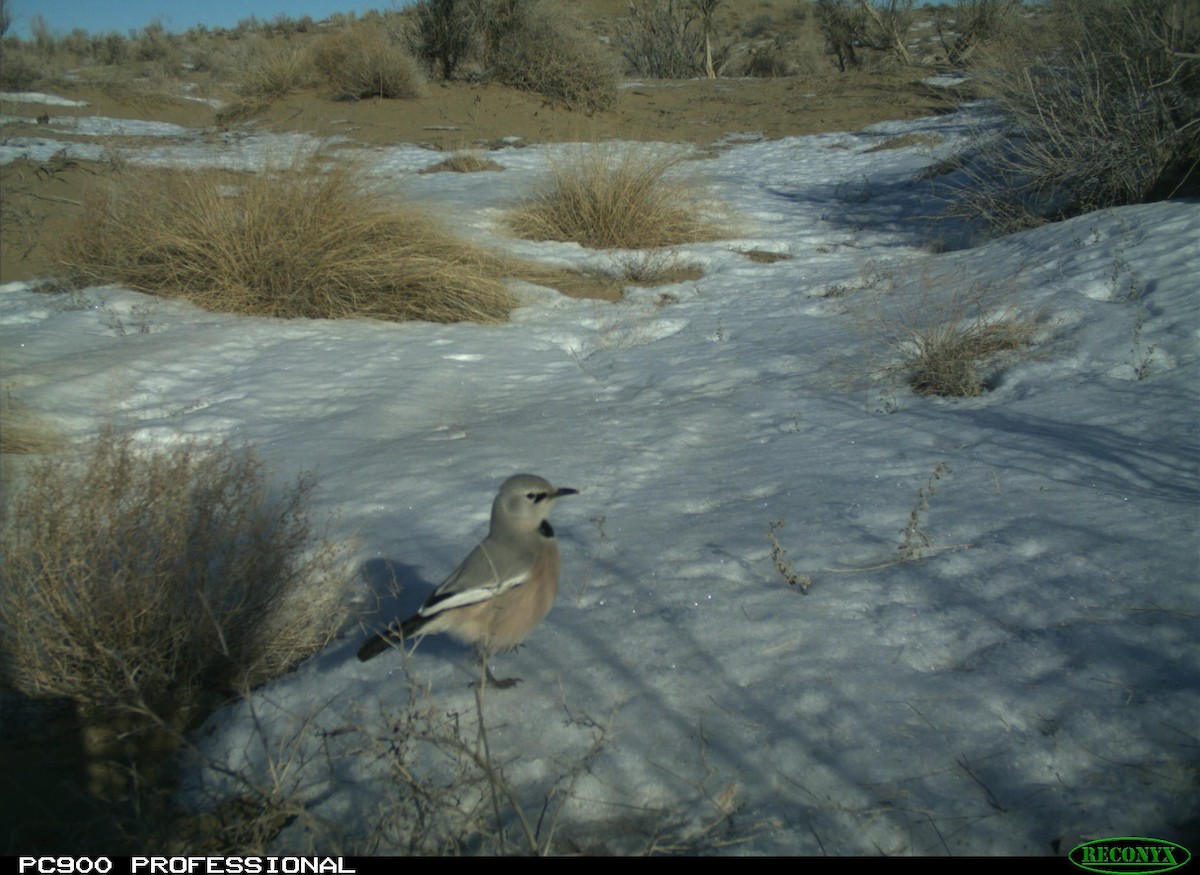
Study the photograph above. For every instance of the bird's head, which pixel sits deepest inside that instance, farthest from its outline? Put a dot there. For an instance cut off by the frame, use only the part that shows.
(524, 502)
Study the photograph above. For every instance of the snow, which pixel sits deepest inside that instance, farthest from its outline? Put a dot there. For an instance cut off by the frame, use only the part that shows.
(39, 97)
(1032, 675)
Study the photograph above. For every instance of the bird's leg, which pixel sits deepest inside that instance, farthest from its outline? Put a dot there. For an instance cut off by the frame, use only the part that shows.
(489, 678)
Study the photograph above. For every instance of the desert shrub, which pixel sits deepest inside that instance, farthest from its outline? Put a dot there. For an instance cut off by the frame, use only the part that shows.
(540, 50)
(365, 61)
(769, 61)
(111, 49)
(155, 45)
(21, 69)
(972, 24)
(152, 582)
(303, 240)
(616, 197)
(849, 26)
(843, 25)
(888, 24)
(1111, 116)
(663, 39)
(941, 332)
(443, 33)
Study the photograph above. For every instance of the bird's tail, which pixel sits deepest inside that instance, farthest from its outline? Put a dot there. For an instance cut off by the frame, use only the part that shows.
(377, 644)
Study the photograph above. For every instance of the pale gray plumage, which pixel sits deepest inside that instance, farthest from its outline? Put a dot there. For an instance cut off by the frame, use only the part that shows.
(504, 587)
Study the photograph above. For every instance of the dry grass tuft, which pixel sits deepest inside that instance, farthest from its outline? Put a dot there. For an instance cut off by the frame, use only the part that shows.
(149, 582)
(463, 162)
(24, 433)
(269, 72)
(303, 241)
(364, 61)
(275, 69)
(943, 333)
(763, 256)
(617, 197)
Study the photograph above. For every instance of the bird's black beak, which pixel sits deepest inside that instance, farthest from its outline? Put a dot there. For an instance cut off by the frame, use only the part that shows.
(559, 493)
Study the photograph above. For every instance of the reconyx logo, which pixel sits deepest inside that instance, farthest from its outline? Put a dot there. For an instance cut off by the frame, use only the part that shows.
(1129, 856)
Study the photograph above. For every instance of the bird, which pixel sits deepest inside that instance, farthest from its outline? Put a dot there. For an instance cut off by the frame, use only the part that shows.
(504, 587)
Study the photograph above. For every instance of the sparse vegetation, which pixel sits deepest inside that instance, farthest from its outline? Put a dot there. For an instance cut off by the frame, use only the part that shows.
(610, 197)
(304, 240)
(656, 267)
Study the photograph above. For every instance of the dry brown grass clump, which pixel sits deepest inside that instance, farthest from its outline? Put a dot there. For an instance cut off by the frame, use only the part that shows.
(268, 71)
(365, 61)
(611, 197)
(149, 582)
(302, 241)
(23, 432)
(275, 69)
(942, 333)
(463, 162)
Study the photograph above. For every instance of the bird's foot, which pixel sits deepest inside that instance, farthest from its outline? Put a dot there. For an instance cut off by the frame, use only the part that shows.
(502, 683)
(490, 680)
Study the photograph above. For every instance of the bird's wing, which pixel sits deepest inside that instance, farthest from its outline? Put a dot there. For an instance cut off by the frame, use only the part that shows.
(481, 576)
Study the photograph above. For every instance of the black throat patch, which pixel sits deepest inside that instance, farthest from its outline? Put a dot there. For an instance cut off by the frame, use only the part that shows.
(546, 530)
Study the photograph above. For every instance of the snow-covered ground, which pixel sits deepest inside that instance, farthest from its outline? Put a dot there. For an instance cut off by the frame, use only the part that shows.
(1031, 676)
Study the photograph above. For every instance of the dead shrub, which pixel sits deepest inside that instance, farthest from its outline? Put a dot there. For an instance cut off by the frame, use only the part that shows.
(617, 197)
(151, 582)
(300, 241)
(364, 61)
